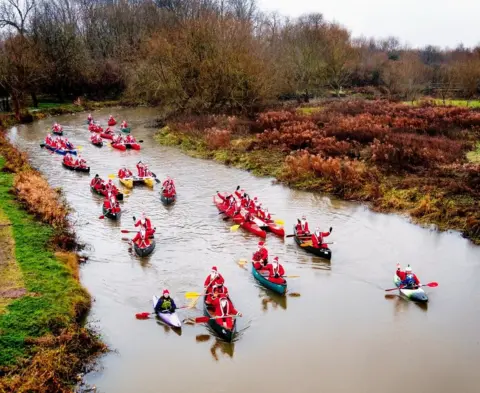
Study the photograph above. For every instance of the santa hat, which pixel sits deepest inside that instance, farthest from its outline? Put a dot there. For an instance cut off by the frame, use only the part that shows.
(214, 268)
(165, 291)
(261, 244)
(275, 259)
(255, 199)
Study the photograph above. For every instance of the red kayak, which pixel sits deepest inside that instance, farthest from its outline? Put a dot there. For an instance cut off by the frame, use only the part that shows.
(269, 225)
(239, 219)
(107, 135)
(134, 146)
(119, 146)
(111, 122)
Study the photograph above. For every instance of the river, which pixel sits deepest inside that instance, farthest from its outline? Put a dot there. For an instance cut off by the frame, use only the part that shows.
(342, 334)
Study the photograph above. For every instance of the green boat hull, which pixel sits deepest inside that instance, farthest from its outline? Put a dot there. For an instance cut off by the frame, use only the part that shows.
(416, 295)
(126, 130)
(220, 331)
(281, 289)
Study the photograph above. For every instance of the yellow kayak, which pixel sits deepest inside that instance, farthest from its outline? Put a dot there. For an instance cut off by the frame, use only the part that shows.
(127, 182)
(149, 181)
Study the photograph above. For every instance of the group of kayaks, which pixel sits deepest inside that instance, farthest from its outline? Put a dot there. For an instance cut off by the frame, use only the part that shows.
(117, 141)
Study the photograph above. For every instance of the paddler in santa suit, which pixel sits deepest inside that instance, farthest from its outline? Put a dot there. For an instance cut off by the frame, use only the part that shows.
(276, 272)
(214, 278)
(141, 239)
(260, 258)
(124, 173)
(146, 224)
(224, 308)
(302, 227)
(97, 183)
(89, 118)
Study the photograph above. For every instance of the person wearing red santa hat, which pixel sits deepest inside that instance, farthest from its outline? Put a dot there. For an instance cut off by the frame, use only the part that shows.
(165, 303)
(276, 272)
(214, 278)
(260, 258)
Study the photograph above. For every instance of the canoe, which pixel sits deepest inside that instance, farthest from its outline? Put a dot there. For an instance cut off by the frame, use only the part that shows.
(73, 168)
(127, 182)
(268, 226)
(264, 281)
(134, 146)
(249, 226)
(98, 144)
(119, 146)
(119, 196)
(113, 216)
(58, 151)
(167, 200)
(127, 130)
(145, 251)
(57, 132)
(106, 135)
(169, 318)
(325, 253)
(417, 295)
(216, 324)
(149, 181)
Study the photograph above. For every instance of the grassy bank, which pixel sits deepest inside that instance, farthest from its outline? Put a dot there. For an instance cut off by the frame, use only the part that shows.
(43, 345)
(47, 109)
(405, 159)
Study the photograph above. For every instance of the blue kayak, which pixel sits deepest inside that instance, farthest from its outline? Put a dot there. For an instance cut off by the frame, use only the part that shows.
(278, 288)
(59, 151)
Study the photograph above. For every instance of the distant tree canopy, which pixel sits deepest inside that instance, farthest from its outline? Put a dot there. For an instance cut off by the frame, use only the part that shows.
(207, 55)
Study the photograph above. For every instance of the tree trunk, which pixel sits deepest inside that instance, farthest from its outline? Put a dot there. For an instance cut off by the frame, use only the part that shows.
(16, 106)
(34, 99)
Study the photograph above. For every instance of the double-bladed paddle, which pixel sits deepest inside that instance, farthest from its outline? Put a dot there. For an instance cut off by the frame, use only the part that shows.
(206, 319)
(432, 284)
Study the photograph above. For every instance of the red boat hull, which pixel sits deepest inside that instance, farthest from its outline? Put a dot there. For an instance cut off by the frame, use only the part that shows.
(119, 147)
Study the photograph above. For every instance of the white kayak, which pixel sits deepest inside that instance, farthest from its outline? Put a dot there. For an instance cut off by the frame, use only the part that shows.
(417, 295)
(171, 319)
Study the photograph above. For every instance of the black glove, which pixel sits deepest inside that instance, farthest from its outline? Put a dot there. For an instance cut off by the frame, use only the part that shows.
(134, 219)
(238, 188)
(331, 229)
(298, 220)
(216, 192)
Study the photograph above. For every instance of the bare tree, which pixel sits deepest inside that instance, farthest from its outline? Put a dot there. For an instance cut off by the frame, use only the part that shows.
(15, 14)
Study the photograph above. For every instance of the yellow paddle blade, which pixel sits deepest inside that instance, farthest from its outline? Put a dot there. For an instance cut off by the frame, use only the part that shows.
(306, 244)
(192, 295)
(280, 222)
(126, 192)
(112, 176)
(234, 228)
(242, 262)
(291, 276)
(79, 147)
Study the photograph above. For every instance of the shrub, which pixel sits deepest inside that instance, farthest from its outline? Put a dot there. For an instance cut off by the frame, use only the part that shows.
(217, 139)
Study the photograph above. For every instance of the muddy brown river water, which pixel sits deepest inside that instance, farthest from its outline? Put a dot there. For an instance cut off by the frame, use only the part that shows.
(342, 335)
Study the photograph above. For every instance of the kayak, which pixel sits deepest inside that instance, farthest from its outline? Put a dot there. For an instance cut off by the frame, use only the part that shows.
(98, 142)
(112, 122)
(106, 135)
(325, 253)
(119, 146)
(417, 295)
(125, 129)
(119, 195)
(167, 200)
(278, 288)
(169, 318)
(58, 151)
(113, 216)
(216, 324)
(149, 181)
(144, 251)
(78, 169)
(249, 226)
(127, 182)
(134, 146)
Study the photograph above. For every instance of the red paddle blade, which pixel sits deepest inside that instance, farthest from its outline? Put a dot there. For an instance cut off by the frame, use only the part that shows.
(432, 284)
(125, 231)
(202, 319)
(101, 217)
(142, 315)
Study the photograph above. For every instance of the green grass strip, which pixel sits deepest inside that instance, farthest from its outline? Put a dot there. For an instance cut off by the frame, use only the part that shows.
(53, 294)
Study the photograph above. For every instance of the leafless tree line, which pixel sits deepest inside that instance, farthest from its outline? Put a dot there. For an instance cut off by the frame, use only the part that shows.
(207, 55)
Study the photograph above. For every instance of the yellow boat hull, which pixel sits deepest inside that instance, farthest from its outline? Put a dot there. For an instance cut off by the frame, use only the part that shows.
(127, 182)
(150, 182)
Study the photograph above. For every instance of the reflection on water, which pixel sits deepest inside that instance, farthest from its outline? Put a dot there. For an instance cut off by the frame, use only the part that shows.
(168, 329)
(341, 311)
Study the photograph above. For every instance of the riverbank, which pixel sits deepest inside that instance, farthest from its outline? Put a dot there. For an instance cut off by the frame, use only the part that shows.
(51, 109)
(403, 159)
(43, 344)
